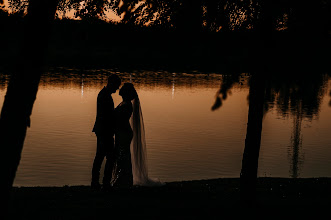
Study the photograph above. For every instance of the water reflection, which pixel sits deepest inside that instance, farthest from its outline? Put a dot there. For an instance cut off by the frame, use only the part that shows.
(296, 158)
(186, 139)
(296, 97)
(82, 88)
(84, 79)
(296, 94)
(300, 97)
(173, 86)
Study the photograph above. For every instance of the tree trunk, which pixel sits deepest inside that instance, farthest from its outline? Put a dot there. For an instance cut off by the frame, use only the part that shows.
(250, 160)
(189, 18)
(21, 92)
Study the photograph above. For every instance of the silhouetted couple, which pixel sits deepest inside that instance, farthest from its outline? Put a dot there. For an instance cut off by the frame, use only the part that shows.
(126, 162)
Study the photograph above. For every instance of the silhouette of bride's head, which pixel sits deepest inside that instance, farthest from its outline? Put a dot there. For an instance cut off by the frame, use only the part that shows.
(128, 92)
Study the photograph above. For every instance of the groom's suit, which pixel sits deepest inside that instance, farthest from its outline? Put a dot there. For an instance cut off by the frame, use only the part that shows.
(104, 130)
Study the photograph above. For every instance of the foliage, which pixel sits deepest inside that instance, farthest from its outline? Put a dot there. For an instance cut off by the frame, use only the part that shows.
(18, 6)
(211, 15)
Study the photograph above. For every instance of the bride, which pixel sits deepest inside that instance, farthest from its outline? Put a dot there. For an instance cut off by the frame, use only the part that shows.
(130, 146)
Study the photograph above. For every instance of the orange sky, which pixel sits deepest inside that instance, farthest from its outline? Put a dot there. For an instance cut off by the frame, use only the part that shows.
(70, 14)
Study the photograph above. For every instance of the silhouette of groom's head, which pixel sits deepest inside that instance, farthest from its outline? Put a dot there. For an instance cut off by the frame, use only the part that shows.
(114, 83)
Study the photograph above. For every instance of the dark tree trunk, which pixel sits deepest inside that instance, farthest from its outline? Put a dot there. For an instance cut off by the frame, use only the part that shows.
(21, 92)
(266, 27)
(189, 18)
(250, 160)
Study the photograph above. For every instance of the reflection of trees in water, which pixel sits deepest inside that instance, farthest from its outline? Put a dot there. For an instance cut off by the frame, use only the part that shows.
(73, 78)
(296, 145)
(300, 97)
(289, 94)
(296, 95)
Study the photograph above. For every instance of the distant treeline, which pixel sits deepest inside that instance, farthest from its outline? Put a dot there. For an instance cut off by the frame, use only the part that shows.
(97, 43)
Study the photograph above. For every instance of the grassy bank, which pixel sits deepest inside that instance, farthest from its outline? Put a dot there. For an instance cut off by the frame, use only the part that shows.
(179, 200)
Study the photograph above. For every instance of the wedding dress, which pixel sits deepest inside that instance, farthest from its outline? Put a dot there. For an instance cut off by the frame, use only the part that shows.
(138, 149)
(131, 166)
(122, 172)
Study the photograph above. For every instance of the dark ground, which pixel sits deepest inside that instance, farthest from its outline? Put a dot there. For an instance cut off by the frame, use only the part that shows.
(201, 199)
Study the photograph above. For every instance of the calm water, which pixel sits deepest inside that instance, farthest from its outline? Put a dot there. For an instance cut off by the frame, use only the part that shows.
(186, 140)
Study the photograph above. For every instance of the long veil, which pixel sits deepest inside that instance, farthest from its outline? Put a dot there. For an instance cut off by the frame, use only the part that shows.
(138, 148)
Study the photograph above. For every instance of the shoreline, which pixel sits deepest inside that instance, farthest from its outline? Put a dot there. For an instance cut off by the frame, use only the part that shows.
(182, 199)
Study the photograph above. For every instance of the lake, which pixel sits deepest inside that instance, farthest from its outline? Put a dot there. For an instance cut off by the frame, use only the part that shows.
(186, 139)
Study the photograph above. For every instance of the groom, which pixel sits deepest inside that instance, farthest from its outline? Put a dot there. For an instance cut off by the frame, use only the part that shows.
(104, 130)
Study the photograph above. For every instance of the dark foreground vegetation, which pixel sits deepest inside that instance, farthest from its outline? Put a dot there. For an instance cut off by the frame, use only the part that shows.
(203, 199)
